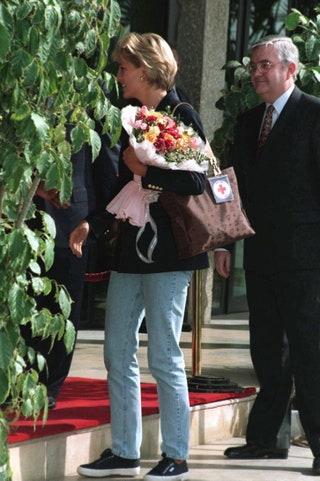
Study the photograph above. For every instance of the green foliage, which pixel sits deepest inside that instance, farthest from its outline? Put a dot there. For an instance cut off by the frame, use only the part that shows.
(53, 59)
(5, 471)
(307, 39)
(241, 95)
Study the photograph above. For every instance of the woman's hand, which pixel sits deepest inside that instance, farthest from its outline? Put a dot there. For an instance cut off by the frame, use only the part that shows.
(133, 163)
(222, 262)
(77, 238)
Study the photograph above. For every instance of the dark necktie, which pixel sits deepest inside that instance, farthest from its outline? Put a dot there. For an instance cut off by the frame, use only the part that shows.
(267, 125)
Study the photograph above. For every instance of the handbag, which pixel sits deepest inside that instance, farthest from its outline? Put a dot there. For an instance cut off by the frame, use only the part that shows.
(200, 223)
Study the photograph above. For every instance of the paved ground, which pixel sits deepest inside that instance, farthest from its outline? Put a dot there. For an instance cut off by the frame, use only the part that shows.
(224, 352)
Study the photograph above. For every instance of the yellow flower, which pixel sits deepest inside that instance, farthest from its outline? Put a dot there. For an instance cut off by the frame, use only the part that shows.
(183, 142)
(152, 133)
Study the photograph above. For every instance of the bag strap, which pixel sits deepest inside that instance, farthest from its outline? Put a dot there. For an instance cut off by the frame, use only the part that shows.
(178, 105)
(212, 158)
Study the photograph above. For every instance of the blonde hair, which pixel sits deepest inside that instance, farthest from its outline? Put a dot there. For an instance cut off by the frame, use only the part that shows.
(153, 53)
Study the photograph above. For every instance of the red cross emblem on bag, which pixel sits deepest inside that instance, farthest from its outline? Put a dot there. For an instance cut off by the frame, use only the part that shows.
(221, 188)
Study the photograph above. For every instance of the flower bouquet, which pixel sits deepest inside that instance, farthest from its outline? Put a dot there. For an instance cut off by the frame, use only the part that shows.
(159, 140)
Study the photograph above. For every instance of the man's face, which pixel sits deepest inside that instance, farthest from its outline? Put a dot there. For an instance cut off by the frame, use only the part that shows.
(270, 77)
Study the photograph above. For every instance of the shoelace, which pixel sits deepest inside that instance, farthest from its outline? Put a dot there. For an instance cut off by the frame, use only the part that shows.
(164, 463)
(107, 453)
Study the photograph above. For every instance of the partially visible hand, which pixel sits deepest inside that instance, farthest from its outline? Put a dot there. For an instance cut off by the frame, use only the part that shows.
(77, 238)
(115, 230)
(51, 196)
(222, 263)
(133, 163)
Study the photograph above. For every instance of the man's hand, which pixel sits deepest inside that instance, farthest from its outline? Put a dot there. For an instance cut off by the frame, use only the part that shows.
(51, 196)
(222, 262)
(77, 238)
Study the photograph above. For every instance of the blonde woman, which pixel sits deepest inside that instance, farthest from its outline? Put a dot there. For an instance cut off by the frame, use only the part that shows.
(157, 289)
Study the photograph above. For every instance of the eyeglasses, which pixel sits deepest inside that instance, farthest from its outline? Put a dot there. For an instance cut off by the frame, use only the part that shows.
(262, 67)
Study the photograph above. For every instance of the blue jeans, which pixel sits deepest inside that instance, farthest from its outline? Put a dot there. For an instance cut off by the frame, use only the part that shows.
(161, 297)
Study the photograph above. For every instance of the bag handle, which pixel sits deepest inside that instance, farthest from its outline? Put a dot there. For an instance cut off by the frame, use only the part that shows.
(178, 105)
(212, 158)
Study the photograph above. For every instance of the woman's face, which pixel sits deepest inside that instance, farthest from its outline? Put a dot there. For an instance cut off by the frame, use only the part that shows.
(132, 79)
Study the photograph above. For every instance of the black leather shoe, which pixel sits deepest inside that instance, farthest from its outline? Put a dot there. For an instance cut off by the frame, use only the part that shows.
(316, 466)
(51, 402)
(6, 403)
(252, 451)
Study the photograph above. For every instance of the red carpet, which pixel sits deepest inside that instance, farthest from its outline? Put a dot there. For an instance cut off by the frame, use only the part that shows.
(84, 403)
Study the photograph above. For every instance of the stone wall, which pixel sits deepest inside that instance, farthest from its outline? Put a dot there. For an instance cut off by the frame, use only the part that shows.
(202, 31)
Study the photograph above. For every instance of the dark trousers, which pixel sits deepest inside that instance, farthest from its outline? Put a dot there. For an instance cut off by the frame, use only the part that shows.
(69, 271)
(285, 347)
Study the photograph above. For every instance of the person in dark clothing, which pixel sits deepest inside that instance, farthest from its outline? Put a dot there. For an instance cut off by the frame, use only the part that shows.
(279, 181)
(93, 185)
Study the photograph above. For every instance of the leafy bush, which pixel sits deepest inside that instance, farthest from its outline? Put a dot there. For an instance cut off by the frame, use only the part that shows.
(53, 58)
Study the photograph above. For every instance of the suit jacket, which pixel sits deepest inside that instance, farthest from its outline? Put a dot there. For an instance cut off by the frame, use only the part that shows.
(94, 184)
(280, 186)
(183, 182)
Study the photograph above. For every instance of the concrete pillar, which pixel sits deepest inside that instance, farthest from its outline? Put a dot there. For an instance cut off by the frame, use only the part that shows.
(202, 34)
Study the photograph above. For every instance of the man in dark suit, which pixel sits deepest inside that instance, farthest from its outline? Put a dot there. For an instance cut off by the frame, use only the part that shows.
(94, 185)
(279, 183)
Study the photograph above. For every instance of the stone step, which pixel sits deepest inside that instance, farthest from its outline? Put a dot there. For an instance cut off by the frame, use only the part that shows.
(56, 457)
